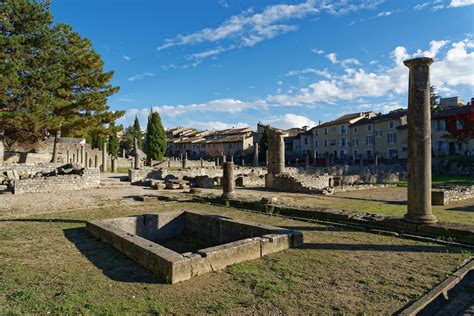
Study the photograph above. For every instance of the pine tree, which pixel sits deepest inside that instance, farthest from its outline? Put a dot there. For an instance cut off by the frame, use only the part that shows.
(137, 133)
(155, 146)
(434, 98)
(52, 80)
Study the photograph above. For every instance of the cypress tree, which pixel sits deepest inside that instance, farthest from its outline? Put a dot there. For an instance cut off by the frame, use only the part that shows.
(137, 133)
(155, 137)
(114, 144)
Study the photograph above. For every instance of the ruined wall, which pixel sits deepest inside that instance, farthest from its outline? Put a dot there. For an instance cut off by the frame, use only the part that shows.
(30, 169)
(446, 195)
(287, 183)
(90, 179)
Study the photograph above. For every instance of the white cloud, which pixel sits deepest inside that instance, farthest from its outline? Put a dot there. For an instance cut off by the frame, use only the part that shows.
(249, 28)
(216, 125)
(460, 3)
(289, 120)
(323, 73)
(141, 76)
(421, 6)
(317, 51)
(437, 7)
(447, 72)
(333, 59)
(385, 13)
(223, 3)
(126, 57)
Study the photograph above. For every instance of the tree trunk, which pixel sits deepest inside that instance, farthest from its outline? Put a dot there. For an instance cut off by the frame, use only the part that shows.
(55, 146)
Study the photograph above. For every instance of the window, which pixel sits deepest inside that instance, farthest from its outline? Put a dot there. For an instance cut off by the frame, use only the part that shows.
(442, 146)
(316, 144)
(369, 140)
(440, 125)
(369, 127)
(325, 131)
(404, 148)
(378, 132)
(355, 142)
(391, 124)
(343, 142)
(333, 142)
(459, 124)
(392, 153)
(316, 132)
(355, 130)
(343, 129)
(305, 141)
(391, 138)
(325, 143)
(333, 129)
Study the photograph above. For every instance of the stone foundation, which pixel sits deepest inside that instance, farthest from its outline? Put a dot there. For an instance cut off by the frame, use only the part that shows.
(446, 195)
(89, 179)
(142, 238)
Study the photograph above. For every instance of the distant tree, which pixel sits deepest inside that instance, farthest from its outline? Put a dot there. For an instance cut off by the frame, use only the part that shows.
(114, 144)
(155, 146)
(137, 133)
(263, 143)
(126, 142)
(434, 98)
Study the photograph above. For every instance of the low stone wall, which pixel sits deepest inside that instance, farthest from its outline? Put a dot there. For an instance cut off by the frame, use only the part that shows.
(137, 175)
(30, 169)
(177, 163)
(288, 183)
(345, 188)
(90, 179)
(446, 195)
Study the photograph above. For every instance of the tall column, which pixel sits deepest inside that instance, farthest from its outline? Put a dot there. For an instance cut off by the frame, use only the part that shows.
(104, 157)
(67, 156)
(137, 155)
(419, 141)
(86, 160)
(77, 156)
(224, 159)
(114, 164)
(83, 161)
(266, 158)
(228, 181)
(2, 150)
(255, 155)
(123, 153)
(185, 161)
(276, 152)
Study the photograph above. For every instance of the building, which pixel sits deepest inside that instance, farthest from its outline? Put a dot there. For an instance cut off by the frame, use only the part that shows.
(453, 131)
(380, 136)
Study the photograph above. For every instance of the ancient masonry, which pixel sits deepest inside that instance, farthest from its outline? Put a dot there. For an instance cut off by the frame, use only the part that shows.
(144, 239)
(419, 142)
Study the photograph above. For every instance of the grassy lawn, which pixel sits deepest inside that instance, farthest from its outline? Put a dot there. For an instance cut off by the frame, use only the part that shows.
(444, 180)
(49, 263)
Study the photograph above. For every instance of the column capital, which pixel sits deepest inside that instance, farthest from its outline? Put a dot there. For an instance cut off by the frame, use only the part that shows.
(417, 62)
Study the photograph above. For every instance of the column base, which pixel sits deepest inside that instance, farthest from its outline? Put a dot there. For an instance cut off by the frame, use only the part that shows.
(420, 219)
(229, 196)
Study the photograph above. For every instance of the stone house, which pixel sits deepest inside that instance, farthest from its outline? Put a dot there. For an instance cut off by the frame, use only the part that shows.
(380, 136)
(453, 130)
(331, 139)
(229, 146)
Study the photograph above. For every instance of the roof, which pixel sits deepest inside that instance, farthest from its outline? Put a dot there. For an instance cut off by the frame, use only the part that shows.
(232, 131)
(344, 119)
(382, 117)
(452, 111)
(228, 139)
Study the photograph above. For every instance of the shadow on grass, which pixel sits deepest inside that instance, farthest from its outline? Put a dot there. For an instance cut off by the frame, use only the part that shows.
(379, 247)
(322, 228)
(404, 202)
(113, 264)
(469, 208)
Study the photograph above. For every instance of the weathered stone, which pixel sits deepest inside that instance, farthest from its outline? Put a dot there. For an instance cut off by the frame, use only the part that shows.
(228, 181)
(419, 142)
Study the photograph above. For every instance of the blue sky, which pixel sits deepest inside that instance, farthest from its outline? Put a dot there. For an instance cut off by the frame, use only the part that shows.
(215, 64)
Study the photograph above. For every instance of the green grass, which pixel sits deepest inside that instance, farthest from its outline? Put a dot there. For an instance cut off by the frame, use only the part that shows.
(57, 267)
(443, 180)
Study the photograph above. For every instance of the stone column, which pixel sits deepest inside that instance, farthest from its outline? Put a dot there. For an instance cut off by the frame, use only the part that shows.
(73, 158)
(96, 161)
(266, 158)
(137, 155)
(67, 156)
(276, 152)
(83, 154)
(255, 155)
(114, 164)
(419, 142)
(376, 160)
(123, 153)
(243, 162)
(315, 156)
(77, 155)
(185, 161)
(104, 157)
(2, 150)
(306, 161)
(224, 159)
(202, 162)
(217, 162)
(228, 181)
(86, 160)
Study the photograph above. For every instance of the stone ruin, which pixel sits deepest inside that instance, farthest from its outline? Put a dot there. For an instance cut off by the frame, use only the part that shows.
(179, 245)
(49, 178)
